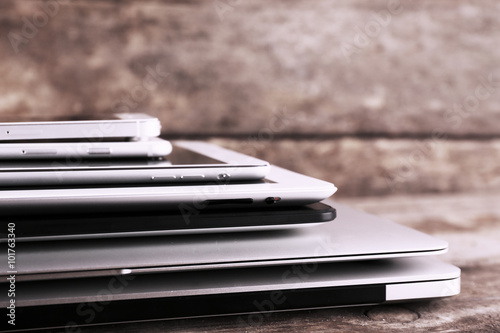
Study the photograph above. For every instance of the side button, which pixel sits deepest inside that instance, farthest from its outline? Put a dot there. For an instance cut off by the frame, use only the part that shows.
(99, 151)
(163, 178)
(39, 151)
(193, 177)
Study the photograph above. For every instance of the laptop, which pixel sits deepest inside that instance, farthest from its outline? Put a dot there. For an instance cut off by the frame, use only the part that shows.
(249, 292)
(353, 235)
(356, 259)
(71, 270)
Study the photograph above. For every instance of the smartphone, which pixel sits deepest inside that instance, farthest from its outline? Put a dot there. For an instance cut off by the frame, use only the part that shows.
(126, 125)
(189, 161)
(73, 150)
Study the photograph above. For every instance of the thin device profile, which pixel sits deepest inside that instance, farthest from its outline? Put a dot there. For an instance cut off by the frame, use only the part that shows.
(280, 188)
(127, 125)
(353, 236)
(74, 151)
(115, 225)
(189, 161)
(248, 292)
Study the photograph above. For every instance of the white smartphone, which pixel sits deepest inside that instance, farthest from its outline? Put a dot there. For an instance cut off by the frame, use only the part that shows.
(280, 188)
(150, 147)
(127, 125)
(188, 162)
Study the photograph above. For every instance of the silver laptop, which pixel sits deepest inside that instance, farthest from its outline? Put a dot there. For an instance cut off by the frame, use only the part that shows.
(356, 259)
(353, 235)
(248, 292)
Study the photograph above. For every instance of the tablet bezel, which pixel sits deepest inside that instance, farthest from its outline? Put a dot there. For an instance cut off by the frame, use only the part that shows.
(284, 187)
(233, 166)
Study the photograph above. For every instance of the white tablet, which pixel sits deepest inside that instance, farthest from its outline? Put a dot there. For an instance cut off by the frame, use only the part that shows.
(280, 188)
(126, 125)
(189, 161)
(73, 151)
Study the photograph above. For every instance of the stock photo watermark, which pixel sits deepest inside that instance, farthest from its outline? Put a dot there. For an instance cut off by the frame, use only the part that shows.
(278, 122)
(293, 277)
(30, 26)
(87, 311)
(371, 30)
(453, 117)
(224, 7)
(11, 273)
(200, 201)
(128, 103)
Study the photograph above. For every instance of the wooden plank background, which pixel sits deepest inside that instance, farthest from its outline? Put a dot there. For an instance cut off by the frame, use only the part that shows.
(380, 97)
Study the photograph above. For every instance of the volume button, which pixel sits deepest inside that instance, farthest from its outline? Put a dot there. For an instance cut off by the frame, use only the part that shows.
(193, 177)
(39, 151)
(99, 151)
(163, 178)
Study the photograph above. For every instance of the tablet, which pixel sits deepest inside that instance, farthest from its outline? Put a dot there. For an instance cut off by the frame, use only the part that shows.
(280, 188)
(125, 125)
(189, 161)
(90, 225)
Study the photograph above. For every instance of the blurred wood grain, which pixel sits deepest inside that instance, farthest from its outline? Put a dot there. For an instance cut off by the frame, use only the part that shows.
(353, 91)
(360, 167)
(341, 68)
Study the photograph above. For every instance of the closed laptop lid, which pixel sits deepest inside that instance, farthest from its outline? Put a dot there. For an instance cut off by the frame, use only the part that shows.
(74, 302)
(354, 235)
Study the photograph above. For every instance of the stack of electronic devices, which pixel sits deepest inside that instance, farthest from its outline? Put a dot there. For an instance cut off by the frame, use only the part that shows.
(104, 222)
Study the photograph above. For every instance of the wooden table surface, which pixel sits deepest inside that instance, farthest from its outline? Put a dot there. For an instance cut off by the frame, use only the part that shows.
(471, 225)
